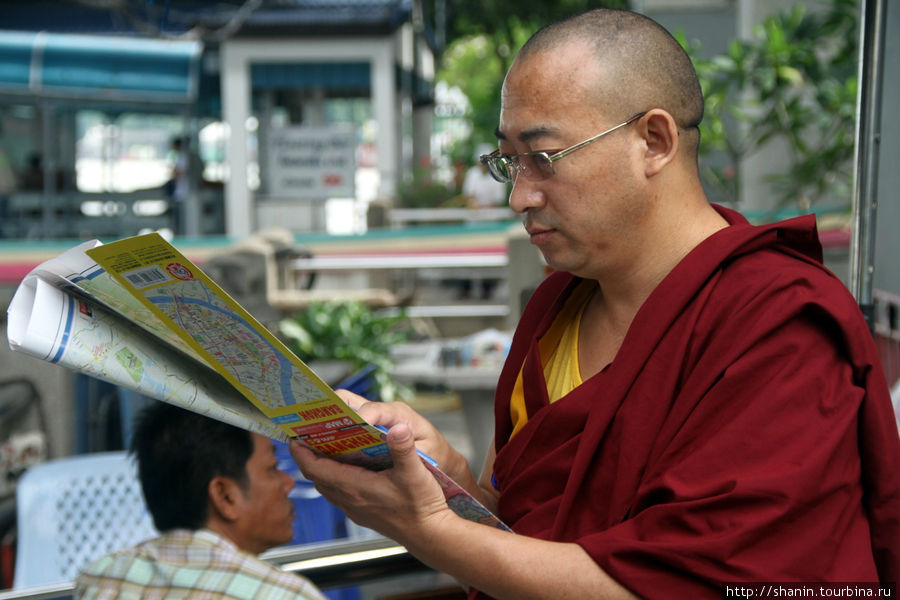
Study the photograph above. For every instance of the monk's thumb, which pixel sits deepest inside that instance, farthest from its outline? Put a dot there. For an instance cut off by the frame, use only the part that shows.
(402, 444)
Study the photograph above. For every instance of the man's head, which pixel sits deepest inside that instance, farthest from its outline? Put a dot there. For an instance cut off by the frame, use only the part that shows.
(600, 207)
(641, 66)
(197, 472)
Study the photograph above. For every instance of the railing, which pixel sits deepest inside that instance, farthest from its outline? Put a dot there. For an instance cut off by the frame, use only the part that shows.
(485, 264)
(341, 563)
(331, 564)
(75, 215)
(402, 217)
(402, 261)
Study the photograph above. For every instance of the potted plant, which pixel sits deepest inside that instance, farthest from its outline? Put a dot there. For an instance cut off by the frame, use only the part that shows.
(351, 332)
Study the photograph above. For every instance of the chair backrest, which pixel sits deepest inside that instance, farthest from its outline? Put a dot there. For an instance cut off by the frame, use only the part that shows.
(23, 432)
(76, 509)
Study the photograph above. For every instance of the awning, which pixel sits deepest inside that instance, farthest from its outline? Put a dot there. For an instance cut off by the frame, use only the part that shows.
(349, 78)
(98, 67)
(307, 75)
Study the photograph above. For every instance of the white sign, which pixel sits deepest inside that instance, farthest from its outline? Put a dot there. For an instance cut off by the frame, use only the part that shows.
(312, 162)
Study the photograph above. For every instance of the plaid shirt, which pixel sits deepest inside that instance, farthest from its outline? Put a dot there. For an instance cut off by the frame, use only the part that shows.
(189, 564)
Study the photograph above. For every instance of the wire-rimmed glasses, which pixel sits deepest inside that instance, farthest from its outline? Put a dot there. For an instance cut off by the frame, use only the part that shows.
(537, 166)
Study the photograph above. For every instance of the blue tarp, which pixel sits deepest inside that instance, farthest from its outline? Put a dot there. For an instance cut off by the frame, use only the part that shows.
(99, 67)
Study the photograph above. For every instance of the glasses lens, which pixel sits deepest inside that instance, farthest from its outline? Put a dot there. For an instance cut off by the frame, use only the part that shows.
(536, 165)
(497, 166)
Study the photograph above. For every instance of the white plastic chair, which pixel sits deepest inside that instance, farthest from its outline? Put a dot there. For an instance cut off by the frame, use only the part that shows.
(76, 509)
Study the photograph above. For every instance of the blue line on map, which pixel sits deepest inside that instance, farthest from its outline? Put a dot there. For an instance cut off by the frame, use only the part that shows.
(67, 330)
(93, 274)
(97, 271)
(287, 368)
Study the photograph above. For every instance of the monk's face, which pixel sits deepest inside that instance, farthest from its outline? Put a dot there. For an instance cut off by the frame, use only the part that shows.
(582, 218)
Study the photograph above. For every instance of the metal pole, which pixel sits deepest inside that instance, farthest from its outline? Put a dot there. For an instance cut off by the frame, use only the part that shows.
(50, 198)
(868, 131)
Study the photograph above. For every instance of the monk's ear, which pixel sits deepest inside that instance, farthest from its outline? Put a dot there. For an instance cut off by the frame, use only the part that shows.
(661, 136)
(225, 497)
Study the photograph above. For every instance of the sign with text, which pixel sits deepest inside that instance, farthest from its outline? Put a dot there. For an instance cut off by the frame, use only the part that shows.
(312, 162)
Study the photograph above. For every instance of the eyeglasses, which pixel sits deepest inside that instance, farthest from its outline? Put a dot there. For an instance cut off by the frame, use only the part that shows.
(537, 166)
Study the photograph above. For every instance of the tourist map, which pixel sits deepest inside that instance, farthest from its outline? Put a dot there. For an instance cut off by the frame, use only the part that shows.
(139, 314)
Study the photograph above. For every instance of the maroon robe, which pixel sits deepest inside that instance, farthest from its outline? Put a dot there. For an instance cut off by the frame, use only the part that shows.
(743, 433)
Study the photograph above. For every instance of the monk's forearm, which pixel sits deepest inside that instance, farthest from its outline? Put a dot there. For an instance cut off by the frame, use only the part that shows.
(509, 566)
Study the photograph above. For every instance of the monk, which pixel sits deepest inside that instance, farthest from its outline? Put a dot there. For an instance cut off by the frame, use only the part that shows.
(690, 402)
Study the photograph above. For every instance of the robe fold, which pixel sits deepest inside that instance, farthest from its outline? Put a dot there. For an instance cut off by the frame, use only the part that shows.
(743, 433)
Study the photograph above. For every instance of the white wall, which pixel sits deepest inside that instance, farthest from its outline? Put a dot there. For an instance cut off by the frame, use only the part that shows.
(887, 230)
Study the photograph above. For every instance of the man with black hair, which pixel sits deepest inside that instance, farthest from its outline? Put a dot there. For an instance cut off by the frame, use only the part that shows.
(217, 495)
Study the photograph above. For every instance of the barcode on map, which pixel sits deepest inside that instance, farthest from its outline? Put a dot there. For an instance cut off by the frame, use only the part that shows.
(146, 276)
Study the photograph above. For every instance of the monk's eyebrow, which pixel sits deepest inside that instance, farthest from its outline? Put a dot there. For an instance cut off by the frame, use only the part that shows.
(529, 135)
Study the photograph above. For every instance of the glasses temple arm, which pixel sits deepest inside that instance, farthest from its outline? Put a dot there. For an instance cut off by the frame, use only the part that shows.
(579, 146)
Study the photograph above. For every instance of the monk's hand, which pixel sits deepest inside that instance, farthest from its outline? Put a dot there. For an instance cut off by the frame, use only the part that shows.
(399, 502)
(427, 438)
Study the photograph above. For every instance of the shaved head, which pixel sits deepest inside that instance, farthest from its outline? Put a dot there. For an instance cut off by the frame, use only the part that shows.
(642, 66)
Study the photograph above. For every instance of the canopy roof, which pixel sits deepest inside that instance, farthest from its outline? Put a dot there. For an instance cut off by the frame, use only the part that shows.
(98, 67)
(208, 20)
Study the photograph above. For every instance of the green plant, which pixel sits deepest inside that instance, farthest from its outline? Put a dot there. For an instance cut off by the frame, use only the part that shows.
(352, 332)
(482, 41)
(794, 80)
(425, 190)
